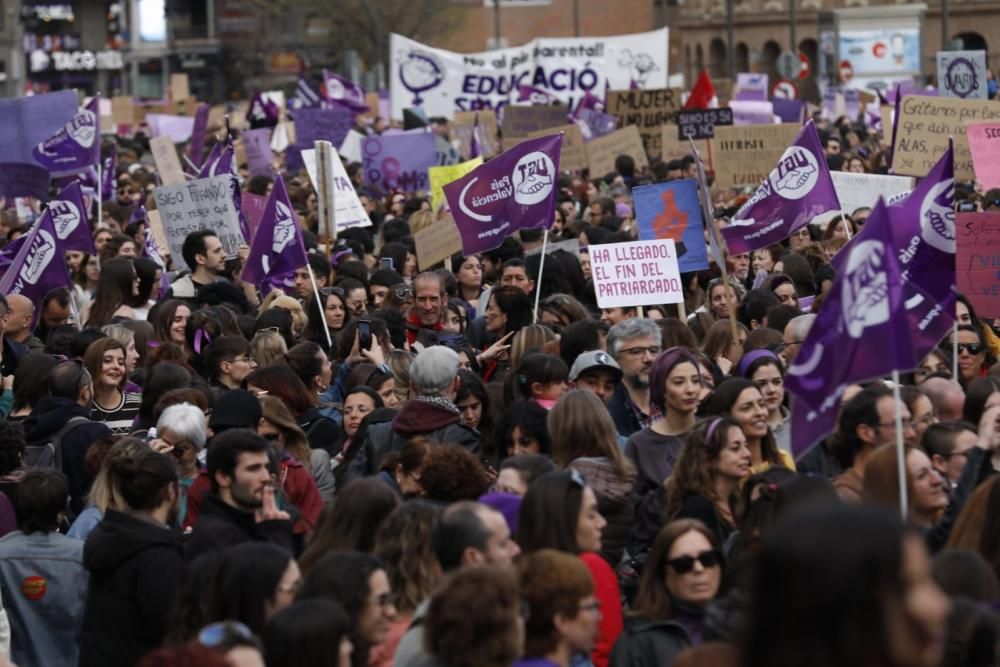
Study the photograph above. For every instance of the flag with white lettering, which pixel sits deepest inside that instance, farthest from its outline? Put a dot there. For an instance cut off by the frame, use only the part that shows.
(277, 246)
(344, 92)
(39, 267)
(69, 217)
(75, 146)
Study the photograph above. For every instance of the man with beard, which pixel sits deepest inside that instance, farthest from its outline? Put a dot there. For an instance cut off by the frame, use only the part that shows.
(634, 344)
(203, 254)
(241, 506)
(135, 560)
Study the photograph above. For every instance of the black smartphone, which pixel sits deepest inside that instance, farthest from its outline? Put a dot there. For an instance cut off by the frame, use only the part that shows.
(386, 263)
(364, 334)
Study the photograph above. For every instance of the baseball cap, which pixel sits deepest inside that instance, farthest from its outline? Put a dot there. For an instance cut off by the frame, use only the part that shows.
(591, 360)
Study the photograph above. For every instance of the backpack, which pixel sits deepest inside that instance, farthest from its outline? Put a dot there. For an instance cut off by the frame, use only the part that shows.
(48, 454)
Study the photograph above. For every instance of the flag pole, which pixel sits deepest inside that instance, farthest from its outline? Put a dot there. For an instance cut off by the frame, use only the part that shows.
(954, 351)
(321, 305)
(900, 451)
(538, 280)
(100, 192)
(847, 227)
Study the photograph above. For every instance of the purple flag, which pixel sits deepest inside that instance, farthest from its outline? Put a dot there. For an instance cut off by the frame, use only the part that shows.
(306, 95)
(23, 179)
(399, 162)
(69, 217)
(39, 267)
(257, 144)
(196, 148)
(219, 161)
(344, 92)
(594, 124)
(76, 146)
(789, 111)
(797, 190)
(208, 166)
(262, 113)
(9, 252)
(515, 190)
(474, 149)
(861, 331)
(590, 102)
(151, 250)
(108, 176)
(277, 247)
(534, 95)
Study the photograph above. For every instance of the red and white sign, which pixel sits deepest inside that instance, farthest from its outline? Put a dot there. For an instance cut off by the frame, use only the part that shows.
(878, 49)
(846, 71)
(783, 89)
(804, 72)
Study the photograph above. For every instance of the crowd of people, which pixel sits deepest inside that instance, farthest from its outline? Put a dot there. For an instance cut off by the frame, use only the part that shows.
(412, 467)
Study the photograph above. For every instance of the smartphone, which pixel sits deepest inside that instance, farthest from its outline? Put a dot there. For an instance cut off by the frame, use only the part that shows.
(364, 334)
(386, 263)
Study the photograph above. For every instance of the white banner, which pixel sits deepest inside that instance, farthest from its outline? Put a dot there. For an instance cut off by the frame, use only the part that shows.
(349, 210)
(444, 82)
(862, 190)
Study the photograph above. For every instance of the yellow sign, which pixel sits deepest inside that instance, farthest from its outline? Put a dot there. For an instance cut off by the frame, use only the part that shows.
(442, 176)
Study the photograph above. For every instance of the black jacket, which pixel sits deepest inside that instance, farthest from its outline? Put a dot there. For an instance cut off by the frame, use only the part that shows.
(625, 420)
(221, 525)
(136, 570)
(51, 414)
(646, 643)
(12, 354)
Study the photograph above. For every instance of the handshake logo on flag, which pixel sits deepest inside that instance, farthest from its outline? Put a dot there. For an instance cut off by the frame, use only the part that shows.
(533, 178)
(39, 258)
(66, 217)
(284, 228)
(796, 173)
(866, 293)
(938, 217)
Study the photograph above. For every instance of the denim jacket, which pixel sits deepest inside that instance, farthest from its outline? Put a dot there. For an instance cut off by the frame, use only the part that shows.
(44, 588)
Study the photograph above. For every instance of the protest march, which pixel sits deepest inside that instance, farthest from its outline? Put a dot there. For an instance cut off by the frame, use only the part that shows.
(537, 357)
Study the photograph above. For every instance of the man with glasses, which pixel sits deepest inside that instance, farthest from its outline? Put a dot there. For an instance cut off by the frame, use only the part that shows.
(948, 446)
(634, 344)
(795, 334)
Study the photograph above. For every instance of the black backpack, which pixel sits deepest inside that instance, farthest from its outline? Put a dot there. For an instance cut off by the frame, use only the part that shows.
(48, 453)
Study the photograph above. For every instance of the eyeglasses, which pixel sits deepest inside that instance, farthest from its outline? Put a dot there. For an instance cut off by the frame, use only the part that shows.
(384, 600)
(685, 564)
(784, 346)
(402, 292)
(327, 291)
(639, 351)
(971, 348)
(227, 634)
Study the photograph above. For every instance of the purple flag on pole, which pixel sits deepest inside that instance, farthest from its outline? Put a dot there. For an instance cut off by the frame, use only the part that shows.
(513, 191)
(861, 332)
(9, 252)
(108, 177)
(219, 161)
(196, 149)
(69, 217)
(534, 95)
(277, 247)
(588, 101)
(344, 92)
(474, 149)
(797, 190)
(306, 95)
(208, 165)
(594, 124)
(262, 113)
(76, 146)
(39, 267)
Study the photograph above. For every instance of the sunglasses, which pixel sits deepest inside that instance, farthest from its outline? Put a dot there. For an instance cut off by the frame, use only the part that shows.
(971, 348)
(327, 291)
(404, 292)
(685, 564)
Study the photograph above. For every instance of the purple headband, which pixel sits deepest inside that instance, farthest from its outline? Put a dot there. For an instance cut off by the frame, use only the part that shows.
(753, 356)
(711, 429)
(201, 337)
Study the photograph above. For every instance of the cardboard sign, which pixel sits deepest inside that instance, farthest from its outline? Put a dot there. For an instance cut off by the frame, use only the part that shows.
(573, 156)
(701, 124)
(601, 152)
(522, 121)
(646, 109)
(977, 260)
(925, 123)
(156, 227)
(257, 145)
(348, 211)
(442, 176)
(675, 149)
(862, 190)
(640, 273)
(122, 110)
(437, 242)
(483, 124)
(962, 74)
(179, 86)
(205, 203)
(743, 155)
(984, 144)
(672, 210)
(168, 165)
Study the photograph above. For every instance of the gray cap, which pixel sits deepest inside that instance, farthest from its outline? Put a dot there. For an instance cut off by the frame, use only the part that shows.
(594, 359)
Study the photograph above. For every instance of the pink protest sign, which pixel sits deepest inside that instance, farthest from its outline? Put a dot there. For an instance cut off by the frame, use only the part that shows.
(984, 144)
(977, 261)
(640, 273)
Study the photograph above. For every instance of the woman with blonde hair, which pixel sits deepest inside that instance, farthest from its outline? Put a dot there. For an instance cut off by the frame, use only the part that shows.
(267, 347)
(278, 299)
(584, 439)
(278, 425)
(399, 367)
(529, 339)
(104, 492)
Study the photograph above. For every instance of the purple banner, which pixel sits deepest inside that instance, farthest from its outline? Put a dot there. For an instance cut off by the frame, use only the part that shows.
(257, 144)
(277, 247)
(797, 190)
(18, 179)
(75, 146)
(399, 162)
(515, 190)
(39, 267)
(27, 121)
(323, 125)
(196, 149)
(752, 113)
(789, 111)
(751, 87)
(344, 92)
(69, 217)
(594, 124)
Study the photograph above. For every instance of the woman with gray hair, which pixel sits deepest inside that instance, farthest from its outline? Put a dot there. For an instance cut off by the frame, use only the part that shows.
(180, 433)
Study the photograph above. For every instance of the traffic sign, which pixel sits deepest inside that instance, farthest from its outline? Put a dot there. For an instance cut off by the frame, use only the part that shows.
(783, 89)
(804, 72)
(788, 65)
(846, 71)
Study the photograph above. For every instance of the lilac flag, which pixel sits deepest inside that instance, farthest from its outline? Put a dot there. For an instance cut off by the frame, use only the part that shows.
(789, 111)
(344, 92)
(9, 252)
(797, 190)
(108, 176)
(277, 246)
(24, 179)
(534, 95)
(196, 149)
(861, 332)
(69, 217)
(262, 113)
(594, 124)
(306, 95)
(588, 101)
(39, 267)
(515, 190)
(74, 147)
(219, 162)
(208, 166)
(399, 162)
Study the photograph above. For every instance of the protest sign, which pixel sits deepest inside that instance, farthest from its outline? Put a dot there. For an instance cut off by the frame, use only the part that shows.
(178, 128)
(253, 208)
(444, 82)
(522, 121)
(752, 86)
(925, 123)
(437, 242)
(647, 110)
(701, 124)
(573, 156)
(442, 176)
(752, 112)
(863, 190)
(444, 153)
(749, 151)
(962, 74)
(156, 228)
(398, 162)
(675, 149)
(205, 203)
(481, 123)
(168, 165)
(672, 211)
(257, 144)
(179, 86)
(984, 144)
(351, 148)
(789, 111)
(601, 152)
(122, 110)
(977, 261)
(640, 273)
(323, 125)
(348, 211)
(281, 137)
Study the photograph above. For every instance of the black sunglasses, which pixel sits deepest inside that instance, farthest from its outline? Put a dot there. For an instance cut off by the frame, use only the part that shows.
(685, 564)
(327, 291)
(971, 348)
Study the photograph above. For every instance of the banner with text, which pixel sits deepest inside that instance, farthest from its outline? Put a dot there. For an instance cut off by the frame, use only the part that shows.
(984, 144)
(206, 203)
(640, 273)
(977, 261)
(745, 154)
(647, 110)
(925, 123)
